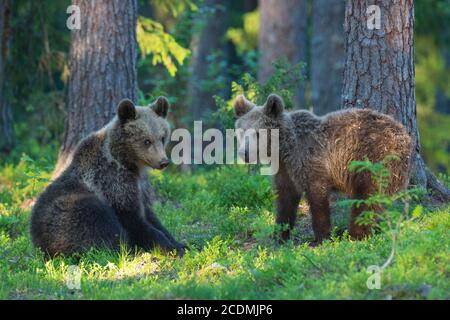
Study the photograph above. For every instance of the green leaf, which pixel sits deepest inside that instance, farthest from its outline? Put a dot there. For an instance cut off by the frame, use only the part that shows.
(417, 211)
(153, 40)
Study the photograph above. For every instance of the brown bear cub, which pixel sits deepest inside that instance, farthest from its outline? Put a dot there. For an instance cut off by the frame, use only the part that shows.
(100, 199)
(314, 154)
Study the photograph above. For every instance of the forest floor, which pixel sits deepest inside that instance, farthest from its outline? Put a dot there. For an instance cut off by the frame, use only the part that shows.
(226, 216)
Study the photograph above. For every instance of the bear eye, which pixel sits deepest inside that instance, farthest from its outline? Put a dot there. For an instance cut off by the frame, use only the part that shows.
(147, 142)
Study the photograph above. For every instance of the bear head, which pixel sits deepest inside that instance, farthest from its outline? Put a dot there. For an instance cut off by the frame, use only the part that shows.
(141, 133)
(252, 121)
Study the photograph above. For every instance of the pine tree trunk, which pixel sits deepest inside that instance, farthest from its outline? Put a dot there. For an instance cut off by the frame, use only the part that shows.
(379, 71)
(103, 70)
(327, 55)
(6, 122)
(282, 34)
(210, 40)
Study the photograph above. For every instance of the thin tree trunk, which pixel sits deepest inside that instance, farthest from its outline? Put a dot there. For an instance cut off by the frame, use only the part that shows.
(250, 5)
(327, 55)
(379, 71)
(102, 68)
(282, 34)
(442, 99)
(208, 41)
(6, 122)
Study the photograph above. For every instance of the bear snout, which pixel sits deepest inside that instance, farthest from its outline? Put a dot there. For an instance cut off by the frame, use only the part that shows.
(164, 163)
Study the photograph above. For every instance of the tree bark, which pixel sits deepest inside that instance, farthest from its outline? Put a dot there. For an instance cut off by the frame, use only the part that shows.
(208, 41)
(6, 121)
(103, 70)
(379, 72)
(282, 34)
(327, 55)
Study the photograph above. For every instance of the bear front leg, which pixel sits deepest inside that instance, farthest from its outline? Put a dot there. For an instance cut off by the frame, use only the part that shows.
(287, 203)
(150, 216)
(144, 235)
(319, 205)
(154, 221)
(141, 233)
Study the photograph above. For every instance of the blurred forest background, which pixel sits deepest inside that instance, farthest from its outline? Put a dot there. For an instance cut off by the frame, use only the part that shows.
(199, 53)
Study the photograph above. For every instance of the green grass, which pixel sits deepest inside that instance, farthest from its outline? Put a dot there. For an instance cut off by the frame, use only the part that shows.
(227, 218)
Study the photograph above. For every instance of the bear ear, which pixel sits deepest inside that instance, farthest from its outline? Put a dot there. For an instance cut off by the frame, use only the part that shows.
(126, 110)
(161, 106)
(242, 106)
(274, 106)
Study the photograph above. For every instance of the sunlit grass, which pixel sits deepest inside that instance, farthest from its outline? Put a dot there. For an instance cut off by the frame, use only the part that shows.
(226, 216)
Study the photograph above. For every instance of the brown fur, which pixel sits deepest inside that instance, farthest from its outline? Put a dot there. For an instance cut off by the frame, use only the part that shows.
(101, 198)
(315, 153)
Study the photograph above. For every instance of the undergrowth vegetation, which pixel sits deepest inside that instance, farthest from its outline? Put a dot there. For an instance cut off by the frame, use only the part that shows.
(227, 218)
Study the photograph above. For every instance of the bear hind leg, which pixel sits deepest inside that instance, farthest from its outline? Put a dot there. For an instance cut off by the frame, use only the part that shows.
(91, 224)
(358, 231)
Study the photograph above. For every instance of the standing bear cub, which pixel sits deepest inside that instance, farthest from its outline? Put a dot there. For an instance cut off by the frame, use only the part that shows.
(101, 200)
(314, 154)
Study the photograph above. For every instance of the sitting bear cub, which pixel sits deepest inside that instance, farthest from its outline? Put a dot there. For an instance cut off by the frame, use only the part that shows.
(101, 200)
(314, 154)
